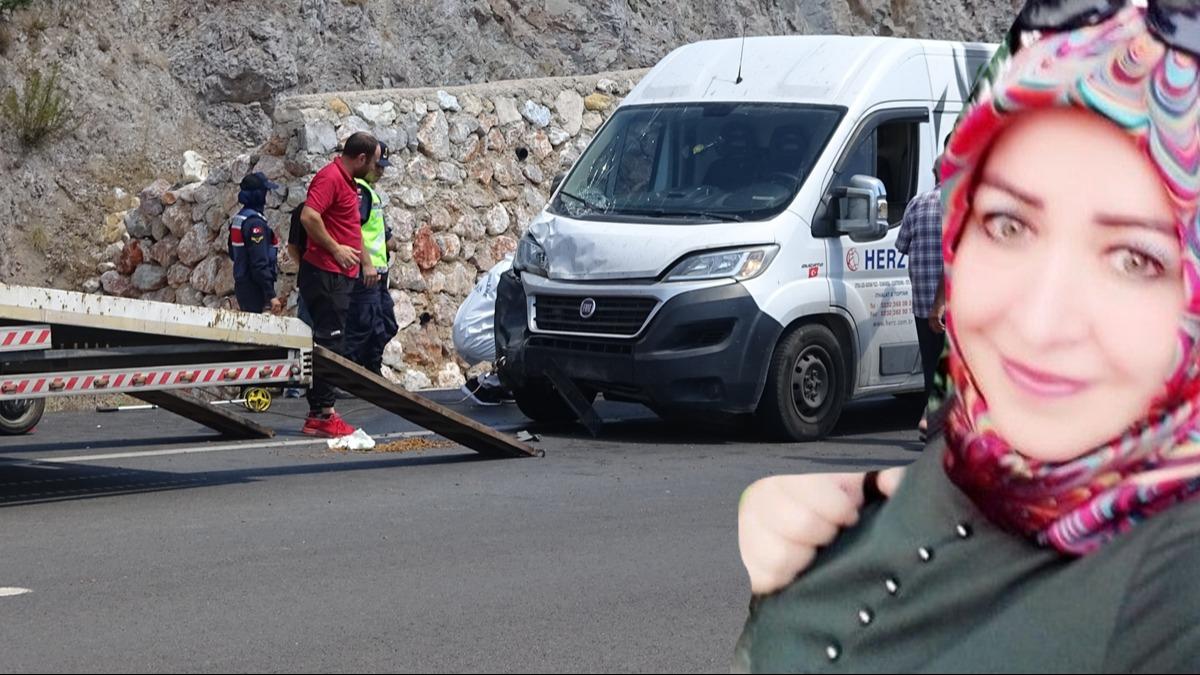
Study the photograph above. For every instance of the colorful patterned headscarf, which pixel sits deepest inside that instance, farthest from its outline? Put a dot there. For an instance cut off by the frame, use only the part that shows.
(1119, 70)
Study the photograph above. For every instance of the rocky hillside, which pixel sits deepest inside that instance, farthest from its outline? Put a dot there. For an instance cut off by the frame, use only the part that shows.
(151, 79)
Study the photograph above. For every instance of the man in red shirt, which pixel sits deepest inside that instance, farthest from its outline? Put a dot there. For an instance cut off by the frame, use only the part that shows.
(331, 264)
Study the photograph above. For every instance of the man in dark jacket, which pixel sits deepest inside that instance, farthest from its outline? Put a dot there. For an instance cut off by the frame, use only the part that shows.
(253, 247)
(371, 320)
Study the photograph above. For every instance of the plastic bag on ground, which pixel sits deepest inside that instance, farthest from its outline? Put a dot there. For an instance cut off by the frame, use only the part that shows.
(359, 440)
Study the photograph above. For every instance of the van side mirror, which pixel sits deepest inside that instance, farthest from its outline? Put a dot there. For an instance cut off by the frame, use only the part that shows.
(556, 182)
(860, 209)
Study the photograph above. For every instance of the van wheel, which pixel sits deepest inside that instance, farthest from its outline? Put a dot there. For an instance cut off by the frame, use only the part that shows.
(541, 402)
(806, 386)
(18, 417)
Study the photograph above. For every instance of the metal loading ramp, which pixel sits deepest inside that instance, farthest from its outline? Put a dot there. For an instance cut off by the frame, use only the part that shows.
(199, 410)
(373, 388)
(64, 343)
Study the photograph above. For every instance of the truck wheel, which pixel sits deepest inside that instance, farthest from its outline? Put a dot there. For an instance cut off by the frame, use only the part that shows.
(18, 417)
(806, 386)
(541, 402)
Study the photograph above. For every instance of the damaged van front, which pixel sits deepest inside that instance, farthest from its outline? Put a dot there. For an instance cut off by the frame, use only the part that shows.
(633, 281)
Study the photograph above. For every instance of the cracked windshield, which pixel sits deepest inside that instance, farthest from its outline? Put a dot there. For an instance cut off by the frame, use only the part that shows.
(697, 163)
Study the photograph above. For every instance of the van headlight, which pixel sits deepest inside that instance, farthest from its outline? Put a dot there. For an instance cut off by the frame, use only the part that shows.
(740, 264)
(531, 257)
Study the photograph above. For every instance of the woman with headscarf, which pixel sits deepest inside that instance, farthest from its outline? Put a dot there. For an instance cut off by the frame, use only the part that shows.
(1054, 526)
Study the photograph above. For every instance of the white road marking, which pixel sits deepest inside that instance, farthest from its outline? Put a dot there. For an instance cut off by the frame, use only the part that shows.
(6, 591)
(261, 445)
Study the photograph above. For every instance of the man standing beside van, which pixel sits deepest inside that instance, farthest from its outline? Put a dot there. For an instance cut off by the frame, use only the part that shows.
(330, 266)
(920, 238)
(371, 322)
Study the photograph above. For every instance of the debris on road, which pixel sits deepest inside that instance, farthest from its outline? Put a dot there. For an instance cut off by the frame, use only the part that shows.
(359, 440)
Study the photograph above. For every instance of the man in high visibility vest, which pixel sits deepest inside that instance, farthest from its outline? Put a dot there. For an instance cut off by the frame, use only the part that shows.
(371, 322)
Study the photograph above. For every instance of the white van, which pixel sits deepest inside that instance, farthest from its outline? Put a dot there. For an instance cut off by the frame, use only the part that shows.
(726, 243)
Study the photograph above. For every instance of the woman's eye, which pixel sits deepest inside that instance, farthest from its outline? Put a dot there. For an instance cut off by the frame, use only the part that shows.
(1002, 227)
(1136, 264)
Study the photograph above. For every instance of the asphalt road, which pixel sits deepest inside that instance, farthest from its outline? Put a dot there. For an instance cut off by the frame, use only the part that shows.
(147, 544)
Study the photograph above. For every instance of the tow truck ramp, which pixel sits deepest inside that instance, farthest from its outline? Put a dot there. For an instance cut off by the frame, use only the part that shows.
(64, 343)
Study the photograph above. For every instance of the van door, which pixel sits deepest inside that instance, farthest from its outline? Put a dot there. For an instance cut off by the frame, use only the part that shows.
(870, 280)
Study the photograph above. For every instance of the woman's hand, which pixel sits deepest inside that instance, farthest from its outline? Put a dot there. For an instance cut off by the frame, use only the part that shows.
(783, 520)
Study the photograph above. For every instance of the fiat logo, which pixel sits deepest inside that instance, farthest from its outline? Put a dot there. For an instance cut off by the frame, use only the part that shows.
(587, 308)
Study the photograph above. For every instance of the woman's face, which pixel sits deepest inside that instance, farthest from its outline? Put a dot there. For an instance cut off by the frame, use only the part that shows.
(1068, 289)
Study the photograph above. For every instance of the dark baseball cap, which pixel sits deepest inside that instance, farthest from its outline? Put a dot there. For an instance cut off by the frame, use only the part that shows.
(256, 181)
(383, 156)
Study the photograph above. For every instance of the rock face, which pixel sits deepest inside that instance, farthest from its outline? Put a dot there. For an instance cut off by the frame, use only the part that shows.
(195, 167)
(252, 53)
(458, 200)
(149, 277)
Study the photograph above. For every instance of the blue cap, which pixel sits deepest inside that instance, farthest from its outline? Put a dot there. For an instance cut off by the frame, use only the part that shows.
(253, 182)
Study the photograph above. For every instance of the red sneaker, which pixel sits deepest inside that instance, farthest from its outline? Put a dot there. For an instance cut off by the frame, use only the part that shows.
(329, 427)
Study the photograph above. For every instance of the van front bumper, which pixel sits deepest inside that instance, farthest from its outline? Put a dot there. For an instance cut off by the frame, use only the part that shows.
(706, 349)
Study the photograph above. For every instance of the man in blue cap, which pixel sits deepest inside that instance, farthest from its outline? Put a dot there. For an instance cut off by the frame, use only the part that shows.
(253, 247)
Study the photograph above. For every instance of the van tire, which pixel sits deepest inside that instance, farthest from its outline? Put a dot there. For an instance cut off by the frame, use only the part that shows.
(19, 417)
(541, 402)
(806, 385)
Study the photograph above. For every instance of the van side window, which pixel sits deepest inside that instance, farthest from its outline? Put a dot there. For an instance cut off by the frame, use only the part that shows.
(897, 162)
(862, 161)
(891, 153)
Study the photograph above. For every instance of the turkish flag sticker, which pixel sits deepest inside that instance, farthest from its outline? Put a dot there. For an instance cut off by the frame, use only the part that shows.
(813, 271)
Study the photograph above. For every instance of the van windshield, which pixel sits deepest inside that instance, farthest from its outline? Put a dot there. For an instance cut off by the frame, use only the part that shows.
(698, 162)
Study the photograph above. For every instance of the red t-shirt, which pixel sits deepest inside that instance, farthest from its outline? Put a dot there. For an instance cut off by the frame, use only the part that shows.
(333, 194)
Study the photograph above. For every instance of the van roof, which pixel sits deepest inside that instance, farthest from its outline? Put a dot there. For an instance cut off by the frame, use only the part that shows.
(828, 69)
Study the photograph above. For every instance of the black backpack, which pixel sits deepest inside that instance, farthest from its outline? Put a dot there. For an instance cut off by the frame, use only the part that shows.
(296, 233)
